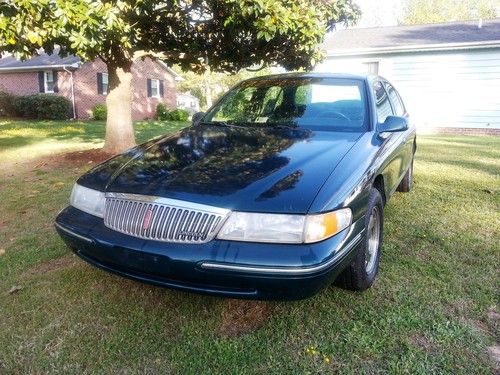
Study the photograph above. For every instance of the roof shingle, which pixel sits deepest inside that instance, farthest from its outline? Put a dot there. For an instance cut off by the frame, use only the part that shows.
(408, 36)
(10, 62)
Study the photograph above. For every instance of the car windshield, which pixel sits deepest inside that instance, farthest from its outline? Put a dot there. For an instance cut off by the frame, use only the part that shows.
(314, 103)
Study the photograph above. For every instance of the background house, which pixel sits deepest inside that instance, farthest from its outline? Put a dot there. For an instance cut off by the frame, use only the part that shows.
(188, 102)
(86, 84)
(448, 74)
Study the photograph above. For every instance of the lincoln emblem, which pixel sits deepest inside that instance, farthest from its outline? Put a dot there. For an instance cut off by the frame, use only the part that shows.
(147, 219)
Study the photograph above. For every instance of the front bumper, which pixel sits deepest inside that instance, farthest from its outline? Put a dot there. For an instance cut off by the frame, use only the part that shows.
(223, 268)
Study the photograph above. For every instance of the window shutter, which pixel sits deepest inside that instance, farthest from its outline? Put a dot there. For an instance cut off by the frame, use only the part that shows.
(54, 74)
(99, 83)
(41, 81)
(161, 89)
(149, 88)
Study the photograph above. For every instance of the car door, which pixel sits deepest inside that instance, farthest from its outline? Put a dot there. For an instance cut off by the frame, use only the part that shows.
(400, 110)
(392, 142)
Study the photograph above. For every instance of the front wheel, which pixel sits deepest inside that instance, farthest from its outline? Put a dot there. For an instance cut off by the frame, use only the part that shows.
(362, 271)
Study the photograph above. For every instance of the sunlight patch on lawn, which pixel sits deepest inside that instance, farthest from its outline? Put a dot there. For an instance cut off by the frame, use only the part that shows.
(44, 148)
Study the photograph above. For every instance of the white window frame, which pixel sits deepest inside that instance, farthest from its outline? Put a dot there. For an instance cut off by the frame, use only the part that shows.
(104, 92)
(46, 82)
(157, 88)
(364, 63)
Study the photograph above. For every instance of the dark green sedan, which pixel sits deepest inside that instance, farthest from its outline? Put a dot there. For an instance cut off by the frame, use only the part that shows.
(275, 192)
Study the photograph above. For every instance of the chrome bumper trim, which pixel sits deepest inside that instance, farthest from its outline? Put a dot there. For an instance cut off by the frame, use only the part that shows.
(286, 270)
(170, 202)
(71, 233)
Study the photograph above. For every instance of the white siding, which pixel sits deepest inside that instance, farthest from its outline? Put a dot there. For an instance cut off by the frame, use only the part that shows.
(453, 89)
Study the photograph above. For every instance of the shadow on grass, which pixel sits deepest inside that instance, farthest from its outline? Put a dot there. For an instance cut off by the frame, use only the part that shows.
(466, 164)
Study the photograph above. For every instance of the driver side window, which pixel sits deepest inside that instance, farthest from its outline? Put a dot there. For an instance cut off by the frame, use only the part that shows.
(382, 102)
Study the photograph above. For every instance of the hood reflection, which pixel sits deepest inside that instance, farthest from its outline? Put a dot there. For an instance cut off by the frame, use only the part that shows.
(213, 160)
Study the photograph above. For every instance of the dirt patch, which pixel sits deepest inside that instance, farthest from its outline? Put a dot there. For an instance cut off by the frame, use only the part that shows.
(240, 317)
(494, 352)
(422, 342)
(74, 159)
(53, 265)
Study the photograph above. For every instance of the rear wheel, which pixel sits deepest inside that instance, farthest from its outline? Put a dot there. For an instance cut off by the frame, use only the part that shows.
(407, 182)
(361, 273)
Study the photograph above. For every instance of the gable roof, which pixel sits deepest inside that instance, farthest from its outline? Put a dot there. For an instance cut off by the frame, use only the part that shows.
(40, 61)
(45, 61)
(438, 36)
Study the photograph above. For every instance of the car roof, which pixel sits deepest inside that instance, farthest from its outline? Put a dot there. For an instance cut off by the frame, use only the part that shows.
(316, 75)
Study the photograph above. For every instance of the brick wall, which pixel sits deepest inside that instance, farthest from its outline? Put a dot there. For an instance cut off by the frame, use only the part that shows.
(142, 106)
(85, 87)
(19, 83)
(85, 83)
(86, 95)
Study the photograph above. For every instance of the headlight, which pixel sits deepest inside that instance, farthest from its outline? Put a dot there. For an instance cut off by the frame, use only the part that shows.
(280, 228)
(88, 200)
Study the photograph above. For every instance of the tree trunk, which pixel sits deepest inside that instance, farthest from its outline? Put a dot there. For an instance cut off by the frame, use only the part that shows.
(119, 129)
(208, 84)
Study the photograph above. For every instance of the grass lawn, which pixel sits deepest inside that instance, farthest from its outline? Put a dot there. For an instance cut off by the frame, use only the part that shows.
(433, 309)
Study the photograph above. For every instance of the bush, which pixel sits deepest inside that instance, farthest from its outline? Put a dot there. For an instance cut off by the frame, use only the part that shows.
(162, 112)
(43, 107)
(7, 104)
(99, 112)
(179, 115)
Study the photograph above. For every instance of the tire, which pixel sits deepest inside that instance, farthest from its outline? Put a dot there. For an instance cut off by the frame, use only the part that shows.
(362, 271)
(407, 182)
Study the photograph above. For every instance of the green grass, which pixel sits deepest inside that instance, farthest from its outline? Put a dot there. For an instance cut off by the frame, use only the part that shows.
(30, 139)
(433, 309)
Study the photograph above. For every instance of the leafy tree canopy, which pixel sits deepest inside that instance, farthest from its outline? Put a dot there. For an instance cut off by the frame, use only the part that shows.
(433, 11)
(229, 34)
(217, 82)
(232, 34)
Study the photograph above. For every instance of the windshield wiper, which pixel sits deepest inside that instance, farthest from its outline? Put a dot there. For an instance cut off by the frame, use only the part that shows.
(216, 123)
(283, 126)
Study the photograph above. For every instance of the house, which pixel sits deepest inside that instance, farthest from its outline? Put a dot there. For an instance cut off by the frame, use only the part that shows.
(85, 84)
(188, 102)
(448, 74)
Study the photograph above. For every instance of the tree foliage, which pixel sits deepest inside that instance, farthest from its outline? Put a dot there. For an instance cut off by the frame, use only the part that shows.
(229, 34)
(218, 82)
(232, 34)
(433, 11)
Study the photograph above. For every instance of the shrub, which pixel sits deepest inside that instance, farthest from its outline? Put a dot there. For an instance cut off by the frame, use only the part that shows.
(179, 115)
(7, 104)
(99, 112)
(162, 112)
(43, 107)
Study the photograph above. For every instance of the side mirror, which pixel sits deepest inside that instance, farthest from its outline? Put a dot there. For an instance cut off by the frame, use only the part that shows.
(393, 124)
(197, 117)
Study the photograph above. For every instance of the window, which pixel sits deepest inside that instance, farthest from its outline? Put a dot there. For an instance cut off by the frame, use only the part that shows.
(384, 108)
(312, 103)
(155, 88)
(48, 81)
(102, 83)
(397, 103)
(371, 67)
(105, 83)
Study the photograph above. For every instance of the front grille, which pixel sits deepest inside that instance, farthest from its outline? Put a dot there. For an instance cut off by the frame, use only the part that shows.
(162, 219)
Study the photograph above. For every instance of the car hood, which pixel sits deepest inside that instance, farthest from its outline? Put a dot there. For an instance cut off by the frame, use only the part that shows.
(246, 169)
